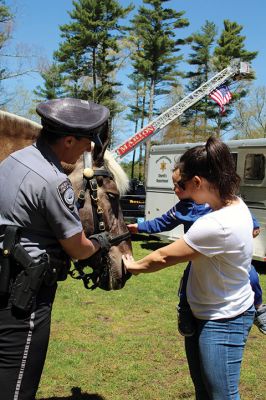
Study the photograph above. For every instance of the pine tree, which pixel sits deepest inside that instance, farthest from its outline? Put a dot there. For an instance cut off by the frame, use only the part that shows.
(230, 46)
(155, 28)
(201, 57)
(137, 114)
(5, 18)
(88, 55)
(53, 84)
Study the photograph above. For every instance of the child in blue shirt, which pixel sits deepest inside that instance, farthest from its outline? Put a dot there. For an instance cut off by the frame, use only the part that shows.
(186, 212)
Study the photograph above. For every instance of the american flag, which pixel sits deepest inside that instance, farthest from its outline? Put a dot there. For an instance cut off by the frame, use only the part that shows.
(222, 96)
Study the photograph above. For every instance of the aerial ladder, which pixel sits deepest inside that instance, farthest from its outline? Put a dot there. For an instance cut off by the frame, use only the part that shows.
(236, 67)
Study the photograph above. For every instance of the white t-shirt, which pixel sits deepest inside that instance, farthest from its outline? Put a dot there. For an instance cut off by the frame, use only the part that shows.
(218, 284)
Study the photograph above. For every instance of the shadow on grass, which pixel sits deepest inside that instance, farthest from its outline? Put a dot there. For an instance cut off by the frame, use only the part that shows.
(148, 242)
(153, 245)
(139, 237)
(76, 394)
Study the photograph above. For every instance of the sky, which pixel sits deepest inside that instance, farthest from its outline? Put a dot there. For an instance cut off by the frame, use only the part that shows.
(37, 26)
(38, 23)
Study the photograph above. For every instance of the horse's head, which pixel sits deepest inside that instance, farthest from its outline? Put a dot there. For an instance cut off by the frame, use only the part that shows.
(98, 184)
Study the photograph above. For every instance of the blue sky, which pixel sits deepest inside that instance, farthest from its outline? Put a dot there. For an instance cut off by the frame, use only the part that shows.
(38, 24)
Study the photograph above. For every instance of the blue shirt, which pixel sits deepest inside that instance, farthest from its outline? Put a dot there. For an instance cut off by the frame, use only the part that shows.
(185, 212)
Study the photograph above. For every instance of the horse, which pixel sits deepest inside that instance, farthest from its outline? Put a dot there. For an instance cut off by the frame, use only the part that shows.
(98, 182)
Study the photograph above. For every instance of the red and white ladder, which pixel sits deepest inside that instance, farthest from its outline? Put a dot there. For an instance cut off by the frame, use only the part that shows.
(234, 68)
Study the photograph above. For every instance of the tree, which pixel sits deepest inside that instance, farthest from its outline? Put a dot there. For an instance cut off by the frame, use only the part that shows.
(14, 62)
(230, 46)
(88, 55)
(5, 26)
(201, 57)
(250, 116)
(53, 83)
(155, 29)
(204, 118)
(5, 19)
(136, 115)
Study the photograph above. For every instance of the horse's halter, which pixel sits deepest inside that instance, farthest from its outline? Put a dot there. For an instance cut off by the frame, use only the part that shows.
(90, 183)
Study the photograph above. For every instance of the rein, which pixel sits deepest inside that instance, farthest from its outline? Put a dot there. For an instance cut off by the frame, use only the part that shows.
(90, 183)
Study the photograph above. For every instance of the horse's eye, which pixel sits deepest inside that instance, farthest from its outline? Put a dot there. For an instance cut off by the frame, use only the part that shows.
(112, 196)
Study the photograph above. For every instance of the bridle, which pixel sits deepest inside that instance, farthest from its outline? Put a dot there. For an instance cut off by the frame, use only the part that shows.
(90, 184)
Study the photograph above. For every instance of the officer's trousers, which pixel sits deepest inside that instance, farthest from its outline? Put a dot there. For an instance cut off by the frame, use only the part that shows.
(23, 345)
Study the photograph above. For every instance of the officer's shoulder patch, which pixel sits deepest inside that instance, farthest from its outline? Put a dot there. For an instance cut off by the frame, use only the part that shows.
(67, 194)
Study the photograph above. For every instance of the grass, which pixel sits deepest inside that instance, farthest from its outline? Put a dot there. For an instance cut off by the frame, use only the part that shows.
(123, 345)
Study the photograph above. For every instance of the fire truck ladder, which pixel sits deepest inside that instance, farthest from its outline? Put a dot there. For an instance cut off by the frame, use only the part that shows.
(235, 67)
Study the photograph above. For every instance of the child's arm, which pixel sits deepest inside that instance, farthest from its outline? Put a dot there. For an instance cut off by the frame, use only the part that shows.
(177, 215)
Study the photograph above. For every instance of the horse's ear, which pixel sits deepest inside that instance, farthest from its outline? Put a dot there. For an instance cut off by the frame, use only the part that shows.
(99, 148)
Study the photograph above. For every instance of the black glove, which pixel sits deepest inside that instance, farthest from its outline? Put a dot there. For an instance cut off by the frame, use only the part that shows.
(103, 239)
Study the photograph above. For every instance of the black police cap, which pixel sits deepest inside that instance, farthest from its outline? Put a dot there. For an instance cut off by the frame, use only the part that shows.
(73, 117)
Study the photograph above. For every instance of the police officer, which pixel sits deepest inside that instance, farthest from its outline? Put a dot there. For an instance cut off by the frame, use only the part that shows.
(40, 231)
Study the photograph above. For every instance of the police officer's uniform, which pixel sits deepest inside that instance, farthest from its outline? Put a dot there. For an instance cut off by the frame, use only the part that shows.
(37, 197)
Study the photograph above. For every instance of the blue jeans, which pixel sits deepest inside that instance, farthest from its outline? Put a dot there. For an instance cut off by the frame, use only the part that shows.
(215, 353)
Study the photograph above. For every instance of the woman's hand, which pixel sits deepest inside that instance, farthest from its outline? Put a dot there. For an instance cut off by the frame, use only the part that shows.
(133, 228)
(130, 264)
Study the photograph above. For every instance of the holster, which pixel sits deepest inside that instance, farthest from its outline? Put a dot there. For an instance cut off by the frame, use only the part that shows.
(23, 275)
(58, 270)
(27, 283)
(5, 261)
(4, 275)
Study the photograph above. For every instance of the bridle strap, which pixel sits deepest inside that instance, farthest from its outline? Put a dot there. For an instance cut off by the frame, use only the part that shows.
(114, 240)
(102, 172)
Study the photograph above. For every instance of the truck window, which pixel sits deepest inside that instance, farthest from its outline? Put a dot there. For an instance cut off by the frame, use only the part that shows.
(254, 167)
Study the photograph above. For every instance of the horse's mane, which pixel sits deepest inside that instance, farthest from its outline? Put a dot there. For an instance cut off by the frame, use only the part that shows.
(120, 177)
(17, 132)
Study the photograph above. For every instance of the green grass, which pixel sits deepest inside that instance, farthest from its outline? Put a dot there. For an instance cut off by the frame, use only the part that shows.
(124, 345)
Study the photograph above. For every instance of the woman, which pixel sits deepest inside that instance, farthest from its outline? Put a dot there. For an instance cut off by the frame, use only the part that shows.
(219, 245)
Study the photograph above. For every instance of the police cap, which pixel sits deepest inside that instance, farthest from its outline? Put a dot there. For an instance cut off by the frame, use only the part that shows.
(75, 117)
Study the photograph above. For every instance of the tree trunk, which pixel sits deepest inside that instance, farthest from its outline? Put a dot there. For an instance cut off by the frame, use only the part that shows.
(133, 164)
(94, 81)
(142, 124)
(140, 163)
(134, 153)
(148, 142)
(136, 129)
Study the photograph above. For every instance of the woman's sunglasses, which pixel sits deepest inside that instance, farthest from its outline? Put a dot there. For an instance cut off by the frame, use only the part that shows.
(180, 184)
